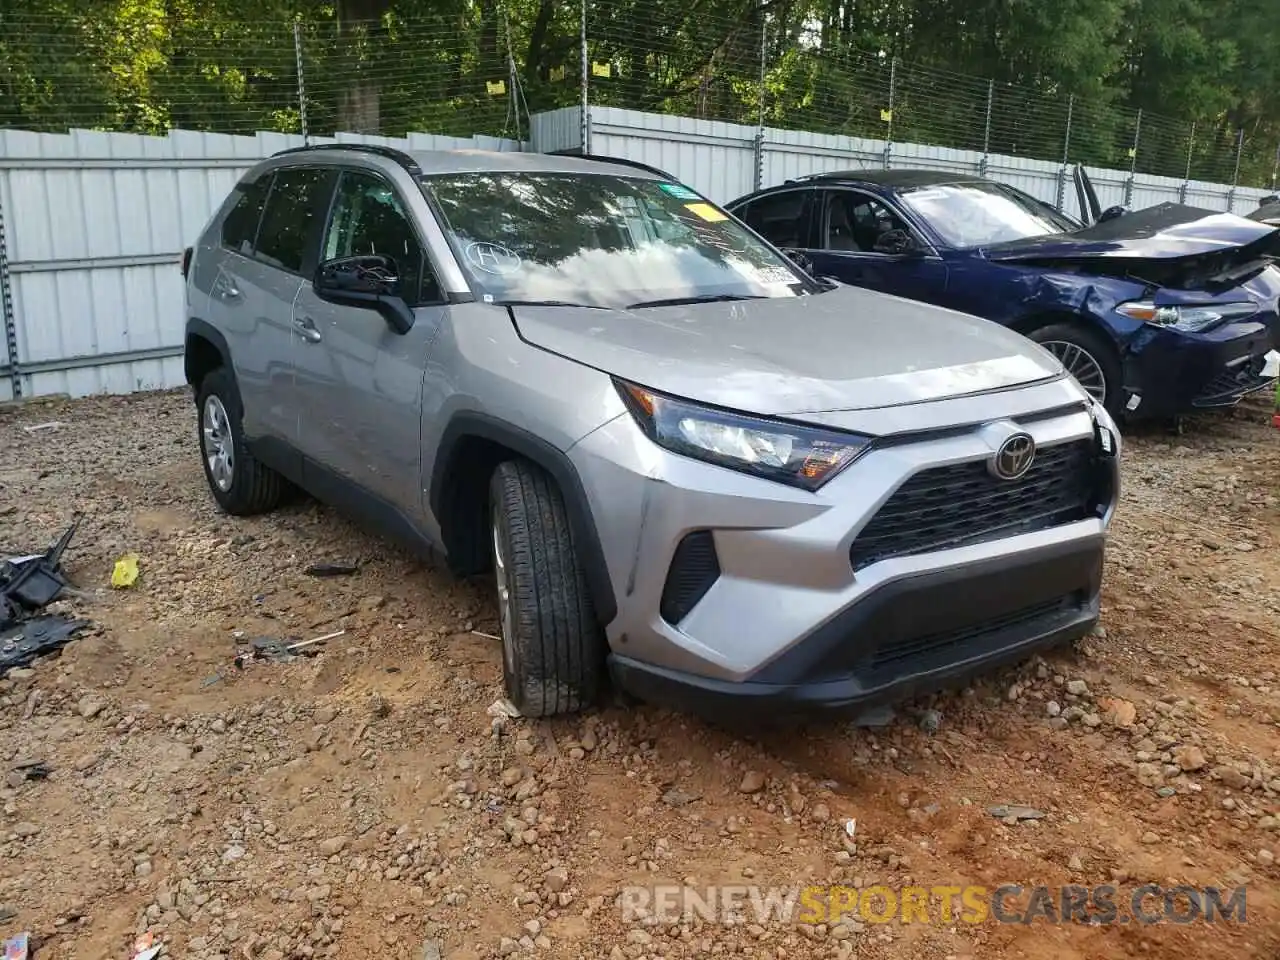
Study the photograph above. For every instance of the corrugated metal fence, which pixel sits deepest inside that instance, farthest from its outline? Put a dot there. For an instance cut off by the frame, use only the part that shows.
(93, 224)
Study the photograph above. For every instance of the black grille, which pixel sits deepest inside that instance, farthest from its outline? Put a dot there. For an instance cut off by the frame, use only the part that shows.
(963, 503)
(913, 648)
(694, 568)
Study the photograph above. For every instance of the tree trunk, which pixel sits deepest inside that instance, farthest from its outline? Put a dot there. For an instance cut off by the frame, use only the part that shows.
(538, 41)
(358, 102)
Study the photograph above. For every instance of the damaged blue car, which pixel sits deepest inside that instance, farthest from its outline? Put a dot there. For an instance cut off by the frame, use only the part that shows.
(1156, 312)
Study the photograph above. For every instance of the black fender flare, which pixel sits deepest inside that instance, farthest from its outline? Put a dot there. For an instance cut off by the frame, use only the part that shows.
(205, 331)
(582, 525)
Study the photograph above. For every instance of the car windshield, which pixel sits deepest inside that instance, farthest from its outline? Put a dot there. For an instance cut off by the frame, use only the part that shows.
(967, 215)
(602, 240)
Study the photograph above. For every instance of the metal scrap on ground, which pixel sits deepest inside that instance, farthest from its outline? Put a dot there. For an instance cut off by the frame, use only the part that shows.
(282, 651)
(28, 584)
(332, 569)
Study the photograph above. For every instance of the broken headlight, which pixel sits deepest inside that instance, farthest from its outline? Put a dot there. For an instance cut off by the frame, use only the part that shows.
(1188, 317)
(790, 453)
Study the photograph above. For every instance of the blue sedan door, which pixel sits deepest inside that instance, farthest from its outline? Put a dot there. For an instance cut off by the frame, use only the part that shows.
(851, 224)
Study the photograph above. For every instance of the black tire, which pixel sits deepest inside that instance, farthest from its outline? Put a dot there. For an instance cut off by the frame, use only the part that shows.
(254, 488)
(1099, 349)
(553, 646)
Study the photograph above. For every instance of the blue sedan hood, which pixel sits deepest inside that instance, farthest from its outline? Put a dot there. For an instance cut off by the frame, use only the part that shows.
(1168, 245)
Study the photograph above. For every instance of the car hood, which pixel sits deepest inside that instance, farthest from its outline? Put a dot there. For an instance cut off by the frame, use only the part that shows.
(845, 349)
(1169, 245)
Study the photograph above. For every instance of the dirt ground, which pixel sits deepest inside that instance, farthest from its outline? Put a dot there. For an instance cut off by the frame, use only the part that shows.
(363, 802)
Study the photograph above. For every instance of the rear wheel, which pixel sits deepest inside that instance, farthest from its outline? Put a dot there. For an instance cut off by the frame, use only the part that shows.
(239, 483)
(552, 645)
(1088, 358)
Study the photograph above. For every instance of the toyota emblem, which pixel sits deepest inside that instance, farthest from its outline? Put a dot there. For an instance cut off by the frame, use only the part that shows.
(1014, 458)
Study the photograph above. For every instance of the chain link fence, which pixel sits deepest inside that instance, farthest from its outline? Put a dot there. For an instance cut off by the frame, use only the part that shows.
(485, 72)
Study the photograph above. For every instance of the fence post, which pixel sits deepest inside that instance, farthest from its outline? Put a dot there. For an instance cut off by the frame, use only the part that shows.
(759, 140)
(1275, 167)
(10, 319)
(986, 131)
(1235, 177)
(1066, 153)
(1133, 160)
(888, 134)
(302, 86)
(584, 120)
(1186, 180)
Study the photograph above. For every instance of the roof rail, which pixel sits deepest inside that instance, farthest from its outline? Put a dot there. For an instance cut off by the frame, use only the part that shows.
(621, 161)
(391, 153)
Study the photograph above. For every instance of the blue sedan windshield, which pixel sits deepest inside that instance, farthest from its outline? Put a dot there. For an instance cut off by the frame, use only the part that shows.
(967, 215)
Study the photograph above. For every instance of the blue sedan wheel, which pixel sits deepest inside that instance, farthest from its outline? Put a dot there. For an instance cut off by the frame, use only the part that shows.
(1088, 357)
(1082, 365)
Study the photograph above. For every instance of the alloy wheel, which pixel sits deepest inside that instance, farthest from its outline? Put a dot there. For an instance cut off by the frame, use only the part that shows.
(1082, 365)
(219, 448)
(503, 578)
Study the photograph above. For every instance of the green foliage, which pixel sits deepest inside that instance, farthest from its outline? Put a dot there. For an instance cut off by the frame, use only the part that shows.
(1001, 75)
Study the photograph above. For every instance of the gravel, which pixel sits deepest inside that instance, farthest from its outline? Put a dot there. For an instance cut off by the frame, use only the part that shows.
(363, 802)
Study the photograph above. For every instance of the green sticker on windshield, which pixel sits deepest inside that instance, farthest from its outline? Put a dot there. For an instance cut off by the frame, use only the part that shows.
(679, 191)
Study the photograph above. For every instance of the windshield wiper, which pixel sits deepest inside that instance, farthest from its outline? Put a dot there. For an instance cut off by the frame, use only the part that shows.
(705, 298)
(547, 303)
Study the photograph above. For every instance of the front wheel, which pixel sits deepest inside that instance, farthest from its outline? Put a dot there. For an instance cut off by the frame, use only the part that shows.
(552, 644)
(1088, 358)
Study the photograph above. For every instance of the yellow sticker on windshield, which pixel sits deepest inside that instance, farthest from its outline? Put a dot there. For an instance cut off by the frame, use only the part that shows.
(706, 211)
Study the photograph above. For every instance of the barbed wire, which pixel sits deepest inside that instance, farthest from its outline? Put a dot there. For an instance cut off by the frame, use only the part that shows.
(486, 76)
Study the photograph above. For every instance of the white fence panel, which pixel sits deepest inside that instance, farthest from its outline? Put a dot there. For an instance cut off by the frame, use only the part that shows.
(716, 159)
(797, 153)
(96, 224)
(557, 130)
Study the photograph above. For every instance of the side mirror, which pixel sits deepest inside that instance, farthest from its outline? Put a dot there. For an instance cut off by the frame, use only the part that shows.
(896, 242)
(800, 259)
(1111, 213)
(371, 282)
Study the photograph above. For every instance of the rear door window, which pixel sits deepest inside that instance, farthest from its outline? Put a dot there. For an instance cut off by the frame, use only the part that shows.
(240, 227)
(781, 218)
(295, 210)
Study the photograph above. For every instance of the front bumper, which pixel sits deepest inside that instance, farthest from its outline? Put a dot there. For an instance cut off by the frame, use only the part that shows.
(909, 637)
(1169, 372)
(797, 608)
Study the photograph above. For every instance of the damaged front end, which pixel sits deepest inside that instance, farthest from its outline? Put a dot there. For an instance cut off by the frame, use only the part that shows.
(1169, 246)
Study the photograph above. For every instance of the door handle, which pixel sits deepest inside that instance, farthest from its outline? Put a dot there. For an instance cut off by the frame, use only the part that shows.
(307, 329)
(225, 289)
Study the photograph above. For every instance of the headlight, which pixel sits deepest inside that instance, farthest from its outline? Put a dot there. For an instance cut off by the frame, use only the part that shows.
(801, 456)
(1189, 318)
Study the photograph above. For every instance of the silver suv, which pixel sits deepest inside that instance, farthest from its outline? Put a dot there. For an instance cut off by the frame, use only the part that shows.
(690, 465)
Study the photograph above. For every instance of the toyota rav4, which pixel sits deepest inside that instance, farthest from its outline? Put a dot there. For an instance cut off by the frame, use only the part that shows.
(688, 465)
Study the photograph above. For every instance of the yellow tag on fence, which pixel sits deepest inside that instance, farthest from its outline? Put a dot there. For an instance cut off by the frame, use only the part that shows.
(496, 87)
